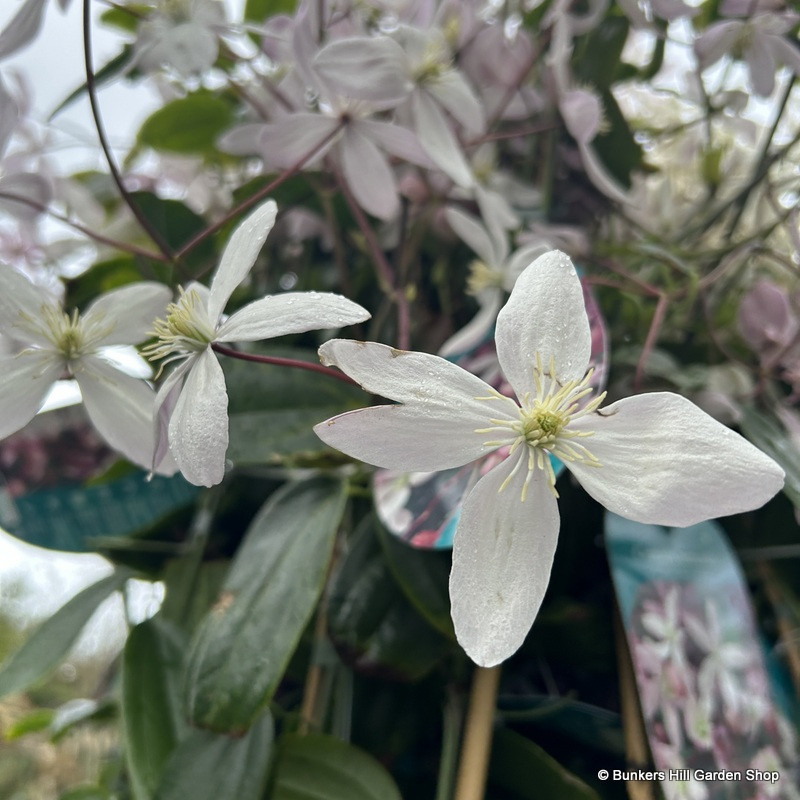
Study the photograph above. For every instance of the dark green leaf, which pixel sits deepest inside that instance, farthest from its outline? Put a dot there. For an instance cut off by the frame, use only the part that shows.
(423, 575)
(522, 767)
(87, 793)
(273, 409)
(243, 645)
(766, 433)
(370, 620)
(191, 589)
(126, 17)
(316, 767)
(617, 148)
(190, 124)
(598, 57)
(51, 641)
(106, 73)
(259, 10)
(213, 766)
(151, 712)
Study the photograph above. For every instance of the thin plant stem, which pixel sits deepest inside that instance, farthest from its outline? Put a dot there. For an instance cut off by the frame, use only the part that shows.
(652, 338)
(91, 90)
(259, 195)
(282, 362)
(452, 718)
(97, 237)
(477, 747)
(385, 271)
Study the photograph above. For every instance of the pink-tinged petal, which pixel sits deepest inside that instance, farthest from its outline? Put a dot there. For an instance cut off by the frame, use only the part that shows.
(31, 187)
(18, 297)
(666, 462)
(426, 381)
(492, 250)
(438, 139)
(126, 315)
(243, 140)
(545, 314)
(368, 175)
(284, 143)
(761, 61)
(163, 407)
(293, 312)
(364, 68)
(717, 41)
(198, 430)
(582, 112)
(496, 211)
(120, 408)
(395, 140)
(239, 256)
(598, 174)
(23, 27)
(786, 53)
(409, 438)
(456, 96)
(477, 329)
(27, 378)
(9, 116)
(502, 557)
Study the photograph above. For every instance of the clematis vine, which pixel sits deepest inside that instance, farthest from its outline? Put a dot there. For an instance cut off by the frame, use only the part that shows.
(57, 344)
(192, 403)
(654, 458)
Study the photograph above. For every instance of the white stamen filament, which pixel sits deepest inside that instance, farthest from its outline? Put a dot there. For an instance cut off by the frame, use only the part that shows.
(542, 424)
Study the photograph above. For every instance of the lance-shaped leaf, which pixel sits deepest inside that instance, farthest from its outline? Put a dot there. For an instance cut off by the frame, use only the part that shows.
(213, 766)
(52, 640)
(241, 649)
(312, 767)
(151, 709)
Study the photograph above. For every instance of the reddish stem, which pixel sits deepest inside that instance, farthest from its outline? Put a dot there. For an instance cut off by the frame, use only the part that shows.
(282, 362)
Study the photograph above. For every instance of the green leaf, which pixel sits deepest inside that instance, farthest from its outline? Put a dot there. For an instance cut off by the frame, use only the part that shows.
(273, 409)
(151, 711)
(241, 649)
(213, 766)
(767, 433)
(87, 793)
(106, 73)
(35, 721)
(258, 10)
(191, 124)
(617, 148)
(315, 766)
(370, 620)
(522, 767)
(423, 575)
(598, 57)
(125, 18)
(51, 641)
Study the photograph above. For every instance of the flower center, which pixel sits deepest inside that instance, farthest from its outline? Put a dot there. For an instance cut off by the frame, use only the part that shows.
(186, 329)
(482, 276)
(540, 422)
(65, 331)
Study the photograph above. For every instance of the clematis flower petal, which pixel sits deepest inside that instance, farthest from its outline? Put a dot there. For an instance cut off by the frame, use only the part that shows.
(404, 437)
(438, 139)
(761, 61)
(23, 27)
(198, 430)
(666, 462)
(293, 312)
(545, 314)
(493, 251)
(164, 406)
(26, 380)
(368, 175)
(364, 68)
(455, 94)
(284, 142)
(129, 311)
(430, 382)
(502, 557)
(239, 256)
(476, 330)
(120, 408)
(19, 296)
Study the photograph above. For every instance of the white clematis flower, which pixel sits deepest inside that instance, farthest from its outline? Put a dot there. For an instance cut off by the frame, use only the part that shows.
(655, 458)
(192, 403)
(81, 346)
